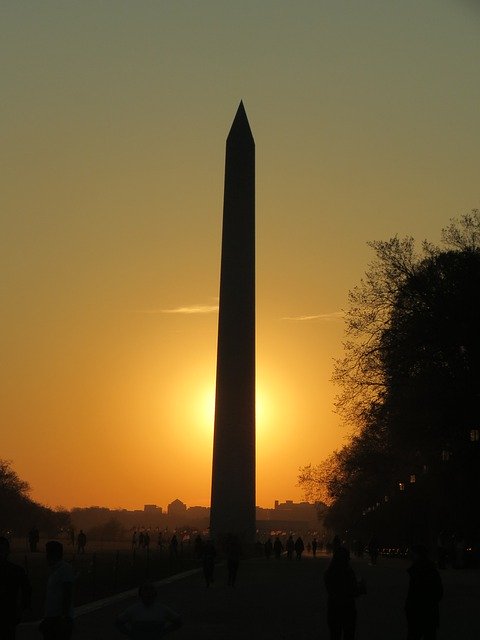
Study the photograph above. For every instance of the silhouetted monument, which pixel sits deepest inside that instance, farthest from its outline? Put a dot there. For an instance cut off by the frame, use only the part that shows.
(233, 476)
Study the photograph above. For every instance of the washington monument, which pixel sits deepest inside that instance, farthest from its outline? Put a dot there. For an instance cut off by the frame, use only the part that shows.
(233, 474)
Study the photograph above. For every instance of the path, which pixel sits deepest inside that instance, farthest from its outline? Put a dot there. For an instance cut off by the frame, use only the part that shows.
(280, 600)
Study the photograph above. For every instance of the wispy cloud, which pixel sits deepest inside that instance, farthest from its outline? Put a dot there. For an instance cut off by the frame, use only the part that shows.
(193, 309)
(197, 308)
(327, 317)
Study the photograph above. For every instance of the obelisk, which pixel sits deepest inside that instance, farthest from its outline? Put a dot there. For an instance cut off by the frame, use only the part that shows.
(233, 473)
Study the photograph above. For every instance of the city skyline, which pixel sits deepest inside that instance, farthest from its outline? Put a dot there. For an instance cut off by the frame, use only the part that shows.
(113, 128)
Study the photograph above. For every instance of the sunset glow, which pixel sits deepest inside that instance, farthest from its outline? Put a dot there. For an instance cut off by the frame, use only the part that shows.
(114, 122)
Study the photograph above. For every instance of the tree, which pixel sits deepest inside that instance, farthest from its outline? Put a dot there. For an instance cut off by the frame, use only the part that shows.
(18, 512)
(410, 376)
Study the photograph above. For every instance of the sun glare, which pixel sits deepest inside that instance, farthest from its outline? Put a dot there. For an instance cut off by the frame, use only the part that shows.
(206, 410)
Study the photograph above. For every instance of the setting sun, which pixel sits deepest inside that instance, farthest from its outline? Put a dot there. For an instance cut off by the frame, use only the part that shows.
(205, 410)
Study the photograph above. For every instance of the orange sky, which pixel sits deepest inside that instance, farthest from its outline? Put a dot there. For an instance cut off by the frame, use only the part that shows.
(114, 119)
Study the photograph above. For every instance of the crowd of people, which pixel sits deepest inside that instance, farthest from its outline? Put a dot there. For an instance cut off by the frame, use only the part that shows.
(149, 618)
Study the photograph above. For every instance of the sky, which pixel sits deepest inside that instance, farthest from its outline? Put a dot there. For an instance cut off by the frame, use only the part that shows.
(114, 116)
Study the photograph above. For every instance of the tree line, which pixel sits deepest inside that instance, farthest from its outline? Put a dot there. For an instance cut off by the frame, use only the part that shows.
(19, 513)
(409, 390)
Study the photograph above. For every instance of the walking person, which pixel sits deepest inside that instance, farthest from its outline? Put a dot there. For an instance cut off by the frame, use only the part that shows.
(15, 592)
(234, 551)
(208, 561)
(290, 547)
(58, 621)
(342, 589)
(81, 541)
(299, 548)
(425, 590)
(277, 548)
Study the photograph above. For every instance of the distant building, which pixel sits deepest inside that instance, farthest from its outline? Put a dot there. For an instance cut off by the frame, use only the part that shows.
(152, 509)
(176, 508)
(289, 516)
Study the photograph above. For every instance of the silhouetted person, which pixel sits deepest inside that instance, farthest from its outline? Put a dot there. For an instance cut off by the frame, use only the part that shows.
(299, 548)
(342, 589)
(208, 561)
(148, 619)
(442, 550)
(141, 540)
(81, 541)
(160, 541)
(290, 547)
(277, 548)
(198, 546)
(58, 621)
(15, 592)
(314, 547)
(268, 548)
(234, 551)
(373, 550)
(336, 543)
(174, 546)
(146, 540)
(425, 591)
(33, 539)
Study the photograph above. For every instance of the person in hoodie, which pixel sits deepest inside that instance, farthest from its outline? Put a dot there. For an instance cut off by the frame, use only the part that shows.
(425, 590)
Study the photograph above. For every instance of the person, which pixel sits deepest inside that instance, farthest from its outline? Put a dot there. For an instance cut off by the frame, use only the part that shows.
(174, 546)
(58, 621)
(268, 548)
(290, 547)
(160, 541)
(442, 550)
(147, 619)
(15, 592)
(342, 589)
(373, 549)
(336, 543)
(425, 590)
(208, 561)
(146, 540)
(141, 540)
(299, 548)
(81, 541)
(277, 548)
(33, 539)
(314, 547)
(198, 546)
(233, 551)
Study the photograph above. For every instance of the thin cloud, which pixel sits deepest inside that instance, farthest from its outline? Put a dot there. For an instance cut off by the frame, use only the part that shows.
(199, 308)
(193, 309)
(327, 317)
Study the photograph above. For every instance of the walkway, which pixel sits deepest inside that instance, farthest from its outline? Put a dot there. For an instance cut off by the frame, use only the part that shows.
(280, 600)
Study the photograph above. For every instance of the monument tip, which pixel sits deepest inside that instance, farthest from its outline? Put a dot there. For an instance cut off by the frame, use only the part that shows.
(240, 124)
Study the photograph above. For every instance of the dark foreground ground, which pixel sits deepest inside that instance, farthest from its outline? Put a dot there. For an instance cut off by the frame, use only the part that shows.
(276, 600)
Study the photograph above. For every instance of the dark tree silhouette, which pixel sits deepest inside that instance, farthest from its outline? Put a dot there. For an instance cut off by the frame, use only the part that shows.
(18, 512)
(410, 383)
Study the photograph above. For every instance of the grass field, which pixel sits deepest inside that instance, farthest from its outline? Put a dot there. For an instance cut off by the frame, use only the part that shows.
(104, 569)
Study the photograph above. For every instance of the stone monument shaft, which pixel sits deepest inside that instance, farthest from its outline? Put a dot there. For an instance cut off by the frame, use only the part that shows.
(233, 473)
